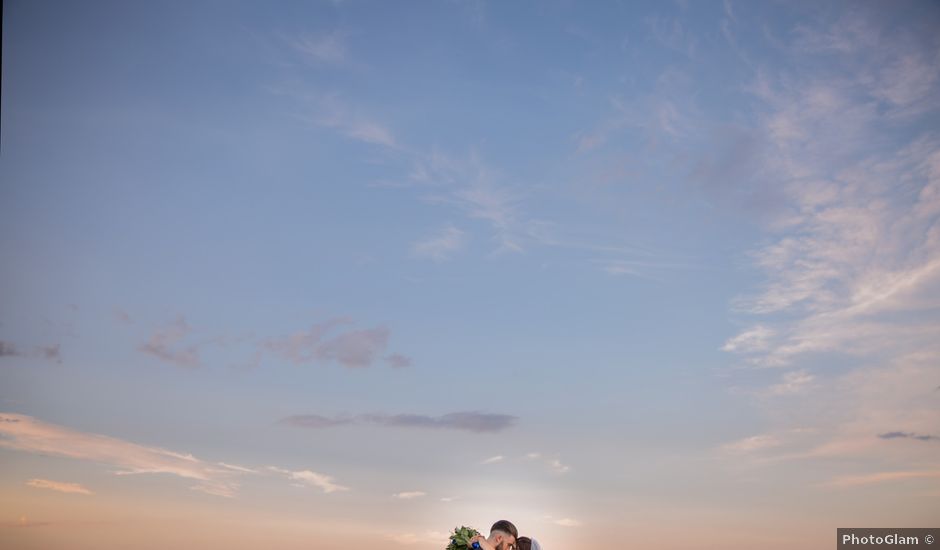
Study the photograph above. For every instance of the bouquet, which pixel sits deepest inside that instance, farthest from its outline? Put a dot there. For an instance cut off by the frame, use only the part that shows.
(460, 538)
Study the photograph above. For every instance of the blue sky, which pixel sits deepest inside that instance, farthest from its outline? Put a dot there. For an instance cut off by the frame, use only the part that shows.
(399, 267)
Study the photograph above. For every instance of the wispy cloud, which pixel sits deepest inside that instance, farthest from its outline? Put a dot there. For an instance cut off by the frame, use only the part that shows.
(356, 348)
(671, 34)
(24, 433)
(167, 344)
(727, 21)
(663, 114)
(754, 339)
(49, 353)
(441, 246)
(883, 477)
(408, 495)
(484, 194)
(7, 349)
(237, 468)
(27, 434)
(398, 361)
(465, 421)
(59, 486)
(25, 522)
(752, 444)
(313, 479)
(316, 421)
(908, 435)
(793, 382)
(302, 346)
(327, 47)
(494, 205)
(476, 190)
(492, 199)
(853, 263)
(851, 33)
(335, 340)
(123, 316)
(493, 459)
(468, 185)
(852, 260)
(857, 419)
(643, 268)
(360, 129)
(553, 464)
(558, 467)
(330, 111)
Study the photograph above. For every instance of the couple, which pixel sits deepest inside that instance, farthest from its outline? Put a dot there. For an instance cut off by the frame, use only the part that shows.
(505, 536)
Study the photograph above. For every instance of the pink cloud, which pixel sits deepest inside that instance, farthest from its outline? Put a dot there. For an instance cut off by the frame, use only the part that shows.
(60, 486)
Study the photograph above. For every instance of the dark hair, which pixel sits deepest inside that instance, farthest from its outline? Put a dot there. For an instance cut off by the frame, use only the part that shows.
(506, 527)
(523, 543)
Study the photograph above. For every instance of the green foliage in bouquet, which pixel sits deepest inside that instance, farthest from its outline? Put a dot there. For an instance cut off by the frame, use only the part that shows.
(460, 539)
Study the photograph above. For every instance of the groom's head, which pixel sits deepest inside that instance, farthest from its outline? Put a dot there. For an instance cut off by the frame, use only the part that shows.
(503, 535)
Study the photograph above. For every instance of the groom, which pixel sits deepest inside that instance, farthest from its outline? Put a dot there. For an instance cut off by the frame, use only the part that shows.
(502, 537)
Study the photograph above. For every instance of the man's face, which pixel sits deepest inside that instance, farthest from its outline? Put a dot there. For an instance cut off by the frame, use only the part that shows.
(504, 541)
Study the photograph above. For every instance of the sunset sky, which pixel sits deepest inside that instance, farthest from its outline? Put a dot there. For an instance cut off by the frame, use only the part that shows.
(345, 275)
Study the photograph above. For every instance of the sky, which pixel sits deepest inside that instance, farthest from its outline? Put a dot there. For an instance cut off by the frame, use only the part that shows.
(346, 275)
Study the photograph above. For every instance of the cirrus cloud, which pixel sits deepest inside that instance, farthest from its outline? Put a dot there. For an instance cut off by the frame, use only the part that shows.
(464, 421)
(27, 434)
(59, 486)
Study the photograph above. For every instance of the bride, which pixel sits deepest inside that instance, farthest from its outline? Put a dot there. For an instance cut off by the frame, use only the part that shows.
(525, 543)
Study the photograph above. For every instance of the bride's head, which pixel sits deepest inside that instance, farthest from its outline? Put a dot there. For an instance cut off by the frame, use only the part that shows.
(525, 543)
